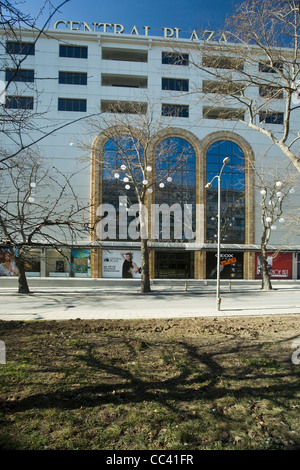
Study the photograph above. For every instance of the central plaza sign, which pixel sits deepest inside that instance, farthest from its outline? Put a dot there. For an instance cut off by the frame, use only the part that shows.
(116, 28)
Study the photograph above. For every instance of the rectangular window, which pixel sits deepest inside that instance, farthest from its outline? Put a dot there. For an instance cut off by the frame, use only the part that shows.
(22, 48)
(72, 104)
(19, 102)
(175, 84)
(267, 67)
(270, 92)
(74, 52)
(221, 62)
(19, 75)
(271, 117)
(176, 110)
(72, 78)
(173, 58)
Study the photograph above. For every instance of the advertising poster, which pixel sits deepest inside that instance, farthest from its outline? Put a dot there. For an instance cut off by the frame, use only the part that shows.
(121, 264)
(80, 262)
(280, 266)
(7, 263)
(231, 265)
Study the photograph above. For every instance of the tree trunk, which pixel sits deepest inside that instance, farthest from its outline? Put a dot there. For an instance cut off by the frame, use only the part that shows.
(265, 273)
(145, 275)
(23, 284)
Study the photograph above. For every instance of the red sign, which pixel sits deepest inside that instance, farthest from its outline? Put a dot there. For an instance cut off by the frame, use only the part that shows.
(280, 266)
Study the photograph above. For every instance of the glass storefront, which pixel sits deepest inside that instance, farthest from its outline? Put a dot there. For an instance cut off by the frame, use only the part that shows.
(33, 263)
(231, 265)
(172, 265)
(57, 263)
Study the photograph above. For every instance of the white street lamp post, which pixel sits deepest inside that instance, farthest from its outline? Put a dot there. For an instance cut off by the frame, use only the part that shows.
(225, 161)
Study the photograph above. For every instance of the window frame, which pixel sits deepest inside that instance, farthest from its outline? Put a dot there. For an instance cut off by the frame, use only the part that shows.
(270, 92)
(268, 68)
(70, 78)
(183, 110)
(14, 102)
(83, 51)
(73, 101)
(174, 84)
(20, 48)
(16, 75)
(174, 58)
(271, 117)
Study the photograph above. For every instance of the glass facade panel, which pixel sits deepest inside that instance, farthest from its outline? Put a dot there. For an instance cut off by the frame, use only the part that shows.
(119, 151)
(232, 193)
(175, 159)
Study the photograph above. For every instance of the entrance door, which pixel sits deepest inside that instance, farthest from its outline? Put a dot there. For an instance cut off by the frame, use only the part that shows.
(174, 265)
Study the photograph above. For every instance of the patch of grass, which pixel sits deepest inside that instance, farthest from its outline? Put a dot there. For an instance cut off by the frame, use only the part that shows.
(263, 362)
(80, 386)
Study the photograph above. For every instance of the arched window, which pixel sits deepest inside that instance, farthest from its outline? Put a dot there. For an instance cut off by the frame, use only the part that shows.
(232, 192)
(176, 184)
(121, 161)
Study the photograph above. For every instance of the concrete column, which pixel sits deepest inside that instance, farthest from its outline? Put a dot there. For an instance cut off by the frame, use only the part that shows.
(43, 262)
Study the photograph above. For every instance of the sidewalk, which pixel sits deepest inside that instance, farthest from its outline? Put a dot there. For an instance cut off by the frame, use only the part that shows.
(123, 300)
(83, 286)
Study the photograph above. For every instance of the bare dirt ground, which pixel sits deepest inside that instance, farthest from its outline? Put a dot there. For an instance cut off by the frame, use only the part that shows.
(197, 383)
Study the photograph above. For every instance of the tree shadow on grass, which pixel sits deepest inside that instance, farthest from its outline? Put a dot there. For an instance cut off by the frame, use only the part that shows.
(199, 375)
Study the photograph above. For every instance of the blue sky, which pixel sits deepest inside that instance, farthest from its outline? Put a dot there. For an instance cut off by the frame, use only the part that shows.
(184, 14)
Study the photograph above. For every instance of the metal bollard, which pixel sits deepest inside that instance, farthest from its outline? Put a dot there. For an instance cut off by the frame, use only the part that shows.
(229, 287)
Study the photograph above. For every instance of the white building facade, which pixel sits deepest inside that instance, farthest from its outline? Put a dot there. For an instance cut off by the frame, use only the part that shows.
(76, 70)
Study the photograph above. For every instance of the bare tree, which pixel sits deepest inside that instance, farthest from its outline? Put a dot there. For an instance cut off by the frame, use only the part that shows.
(39, 206)
(252, 74)
(136, 133)
(274, 188)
